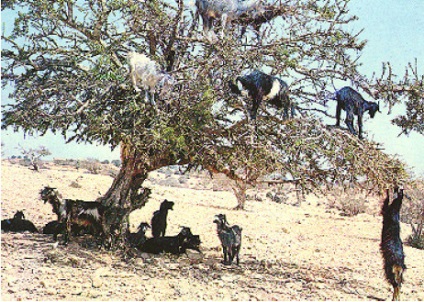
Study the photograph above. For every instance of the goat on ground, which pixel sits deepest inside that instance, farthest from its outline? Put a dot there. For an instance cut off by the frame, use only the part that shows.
(82, 213)
(158, 222)
(391, 245)
(230, 237)
(224, 10)
(169, 244)
(191, 243)
(138, 239)
(55, 227)
(18, 224)
(145, 72)
(263, 87)
(353, 103)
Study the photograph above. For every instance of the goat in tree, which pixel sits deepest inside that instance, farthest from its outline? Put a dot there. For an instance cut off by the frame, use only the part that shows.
(146, 73)
(256, 18)
(391, 245)
(224, 10)
(353, 103)
(260, 87)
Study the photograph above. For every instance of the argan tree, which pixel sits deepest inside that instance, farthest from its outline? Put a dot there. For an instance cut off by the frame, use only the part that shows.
(34, 155)
(65, 62)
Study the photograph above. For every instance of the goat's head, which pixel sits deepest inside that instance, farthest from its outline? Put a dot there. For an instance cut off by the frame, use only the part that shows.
(185, 232)
(49, 194)
(143, 227)
(374, 107)
(220, 219)
(166, 205)
(19, 215)
(390, 211)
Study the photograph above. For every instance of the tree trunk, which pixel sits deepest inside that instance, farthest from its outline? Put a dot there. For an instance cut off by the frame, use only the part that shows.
(125, 195)
(239, 188)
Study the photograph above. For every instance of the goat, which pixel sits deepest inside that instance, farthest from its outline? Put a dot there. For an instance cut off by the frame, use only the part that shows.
(391, 245)
(258, 17)
(191, 243)
(55, 227)
(82, 213)
(353, 103)
(169, 244)
(145, 72)
(230, 238)
(138, 239)
(18, 224)
(158, 222)
(263, 87)
(225, 10)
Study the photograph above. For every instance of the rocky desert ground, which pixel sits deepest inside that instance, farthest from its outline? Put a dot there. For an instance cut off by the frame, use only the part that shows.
(304, 252)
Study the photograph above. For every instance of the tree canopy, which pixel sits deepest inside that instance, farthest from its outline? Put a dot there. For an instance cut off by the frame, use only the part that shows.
(66, 63)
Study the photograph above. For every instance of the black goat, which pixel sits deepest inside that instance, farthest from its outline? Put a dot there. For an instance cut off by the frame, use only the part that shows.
(138, 239)
(391, 245)
(18, 224)
(83, 213)
(353, 103)
(263, 87)
(55, 227)
(169, 244)
(230, 238)
(191, 243)
(159, 218)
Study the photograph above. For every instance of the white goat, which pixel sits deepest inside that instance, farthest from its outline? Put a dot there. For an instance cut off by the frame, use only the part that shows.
(225, 10)
(145, 72)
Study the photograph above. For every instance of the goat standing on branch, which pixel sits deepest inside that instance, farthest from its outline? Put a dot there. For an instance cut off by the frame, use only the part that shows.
(145, 72)
(354, 104)
(224, 10)
(263, 87)
(391, 245)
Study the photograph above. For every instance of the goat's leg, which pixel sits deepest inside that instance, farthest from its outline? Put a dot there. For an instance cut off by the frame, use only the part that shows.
(68, 226)
(338, 113)
(360, 125)
(349, 122)
(225, 251)
(236, 252)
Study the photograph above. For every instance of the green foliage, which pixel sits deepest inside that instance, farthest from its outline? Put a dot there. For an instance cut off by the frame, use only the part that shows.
(66, 63)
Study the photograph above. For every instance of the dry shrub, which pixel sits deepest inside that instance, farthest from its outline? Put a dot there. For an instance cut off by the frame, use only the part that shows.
(349, 202)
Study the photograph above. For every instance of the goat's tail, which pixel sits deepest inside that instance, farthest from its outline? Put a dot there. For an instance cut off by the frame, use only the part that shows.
(398, 278)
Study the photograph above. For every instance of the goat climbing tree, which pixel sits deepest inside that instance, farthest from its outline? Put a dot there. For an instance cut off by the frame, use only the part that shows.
(65, 63)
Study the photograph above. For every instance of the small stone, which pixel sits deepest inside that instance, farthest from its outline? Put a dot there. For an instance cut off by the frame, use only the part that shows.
(97, 282)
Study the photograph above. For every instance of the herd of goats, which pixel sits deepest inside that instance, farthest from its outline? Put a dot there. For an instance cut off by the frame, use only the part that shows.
(76, 217)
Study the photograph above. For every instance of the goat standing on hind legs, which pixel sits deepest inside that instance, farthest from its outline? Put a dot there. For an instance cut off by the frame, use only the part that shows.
(391, 244)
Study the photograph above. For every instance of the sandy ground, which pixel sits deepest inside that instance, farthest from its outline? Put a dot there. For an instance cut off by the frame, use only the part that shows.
(305, 252)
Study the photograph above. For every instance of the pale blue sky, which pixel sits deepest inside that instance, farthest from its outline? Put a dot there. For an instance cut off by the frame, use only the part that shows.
(394, 33)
